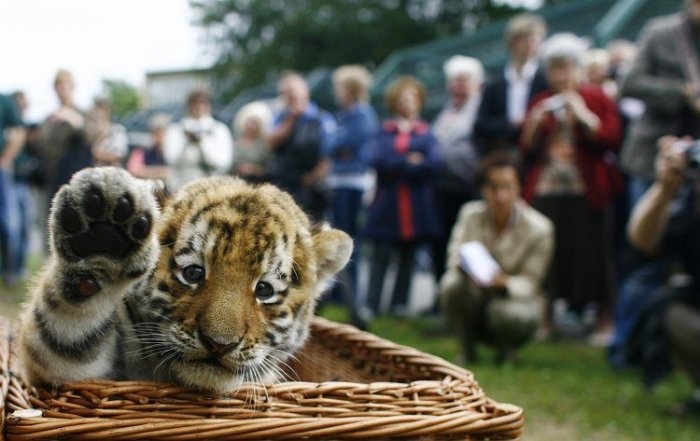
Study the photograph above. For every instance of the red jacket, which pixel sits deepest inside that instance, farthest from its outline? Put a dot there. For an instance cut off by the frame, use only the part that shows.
(593, 157)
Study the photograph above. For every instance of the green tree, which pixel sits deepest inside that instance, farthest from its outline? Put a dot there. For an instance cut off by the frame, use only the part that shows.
(123, 96)
(252, 40)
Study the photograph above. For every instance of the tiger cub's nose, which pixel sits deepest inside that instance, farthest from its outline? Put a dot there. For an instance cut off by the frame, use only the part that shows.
(216, 346)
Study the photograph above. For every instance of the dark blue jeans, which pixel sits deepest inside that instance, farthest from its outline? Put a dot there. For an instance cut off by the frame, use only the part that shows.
(381, 256)
(7, 220)
(22, 224)
(633, 297)
(345, 215)
(635, 290)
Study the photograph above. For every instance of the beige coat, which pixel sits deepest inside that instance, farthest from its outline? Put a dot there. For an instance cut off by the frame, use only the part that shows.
(523, 251)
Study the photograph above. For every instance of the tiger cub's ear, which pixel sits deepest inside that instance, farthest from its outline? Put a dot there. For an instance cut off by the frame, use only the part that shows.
(160, 191)
(332, 248)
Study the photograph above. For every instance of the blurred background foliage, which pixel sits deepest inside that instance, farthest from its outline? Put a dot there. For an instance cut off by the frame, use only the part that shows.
(123, 96)
(253, 40)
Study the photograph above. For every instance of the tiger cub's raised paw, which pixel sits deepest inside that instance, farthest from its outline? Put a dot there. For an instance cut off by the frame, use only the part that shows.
(105, 215)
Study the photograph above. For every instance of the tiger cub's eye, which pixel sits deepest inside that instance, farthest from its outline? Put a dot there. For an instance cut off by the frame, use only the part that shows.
(193, 273)
(264, 290)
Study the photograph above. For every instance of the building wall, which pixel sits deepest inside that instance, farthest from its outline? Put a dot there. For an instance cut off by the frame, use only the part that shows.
(165, 89)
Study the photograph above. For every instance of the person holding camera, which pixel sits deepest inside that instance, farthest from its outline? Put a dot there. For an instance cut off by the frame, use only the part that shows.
(665, 228)
(665, 75)
(300, 136)
(198, 145)
(568, 134)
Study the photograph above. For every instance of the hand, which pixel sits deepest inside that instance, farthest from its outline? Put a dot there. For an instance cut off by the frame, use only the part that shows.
(317, 173)
(692, 97)
(671, 163)
(192, 137)
(532, 123)
(415, 158)
(309, 179)
(282, 132)
(296, 109)
(250, 169)
(5, 162)
(537, 114)
(577, 108)
(404, 125)
(500, 281)
(69, 115)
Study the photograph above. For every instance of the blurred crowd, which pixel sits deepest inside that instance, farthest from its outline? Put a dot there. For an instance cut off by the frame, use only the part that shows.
(570, 174)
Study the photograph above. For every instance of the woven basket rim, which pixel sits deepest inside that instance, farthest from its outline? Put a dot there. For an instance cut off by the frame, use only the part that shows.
(452, 408)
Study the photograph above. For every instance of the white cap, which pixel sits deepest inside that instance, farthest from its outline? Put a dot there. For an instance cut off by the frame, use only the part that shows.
(459, 65)
(564, 46)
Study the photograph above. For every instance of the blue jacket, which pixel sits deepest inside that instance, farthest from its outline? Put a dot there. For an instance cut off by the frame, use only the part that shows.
(357, 128)
(313, 132)
(311, 114)
(404, 207)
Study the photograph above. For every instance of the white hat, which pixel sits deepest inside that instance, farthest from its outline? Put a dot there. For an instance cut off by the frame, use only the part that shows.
(256, 109)
(459, 65)
(564, 46)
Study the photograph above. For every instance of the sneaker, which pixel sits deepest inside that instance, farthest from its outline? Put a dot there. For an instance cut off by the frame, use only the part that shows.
(503, 356)
(543, 333)
(400, 311)
(600, 339)
(364, 314)
(361, 318)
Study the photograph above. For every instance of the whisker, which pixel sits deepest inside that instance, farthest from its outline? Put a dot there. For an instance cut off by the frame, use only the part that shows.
(277, 365)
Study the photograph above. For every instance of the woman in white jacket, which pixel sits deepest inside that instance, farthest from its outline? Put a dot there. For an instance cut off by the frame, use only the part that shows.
(197, 145)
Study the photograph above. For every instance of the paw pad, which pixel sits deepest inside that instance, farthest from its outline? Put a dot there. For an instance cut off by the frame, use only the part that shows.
(101, 237)
(70, 220)
(88, 286)
(123, 209)
(100, 222)
(141, 227)
(93, 203)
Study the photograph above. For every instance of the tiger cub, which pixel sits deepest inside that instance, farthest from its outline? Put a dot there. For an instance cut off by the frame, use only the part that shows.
(217, 289)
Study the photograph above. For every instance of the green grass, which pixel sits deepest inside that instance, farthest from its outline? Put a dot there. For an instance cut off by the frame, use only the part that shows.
(566, 388)
(11, 297)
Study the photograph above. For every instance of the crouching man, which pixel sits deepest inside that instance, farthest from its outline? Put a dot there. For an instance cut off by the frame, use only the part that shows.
(491, 291)
(665, 228)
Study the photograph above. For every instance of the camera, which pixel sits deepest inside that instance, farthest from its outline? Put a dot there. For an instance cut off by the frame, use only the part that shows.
(193, 137)
(691, 151)
(554, 103)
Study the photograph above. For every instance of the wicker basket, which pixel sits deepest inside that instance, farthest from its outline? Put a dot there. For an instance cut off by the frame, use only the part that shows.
(352, 385)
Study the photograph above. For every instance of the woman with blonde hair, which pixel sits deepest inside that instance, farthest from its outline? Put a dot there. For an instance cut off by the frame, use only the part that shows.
(349, 176)
(251, 150)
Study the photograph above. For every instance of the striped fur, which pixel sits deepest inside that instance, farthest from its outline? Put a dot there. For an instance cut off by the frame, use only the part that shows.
(215, 290)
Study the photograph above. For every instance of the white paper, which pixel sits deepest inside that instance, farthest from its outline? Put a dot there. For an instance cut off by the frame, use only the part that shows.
(476, 261)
